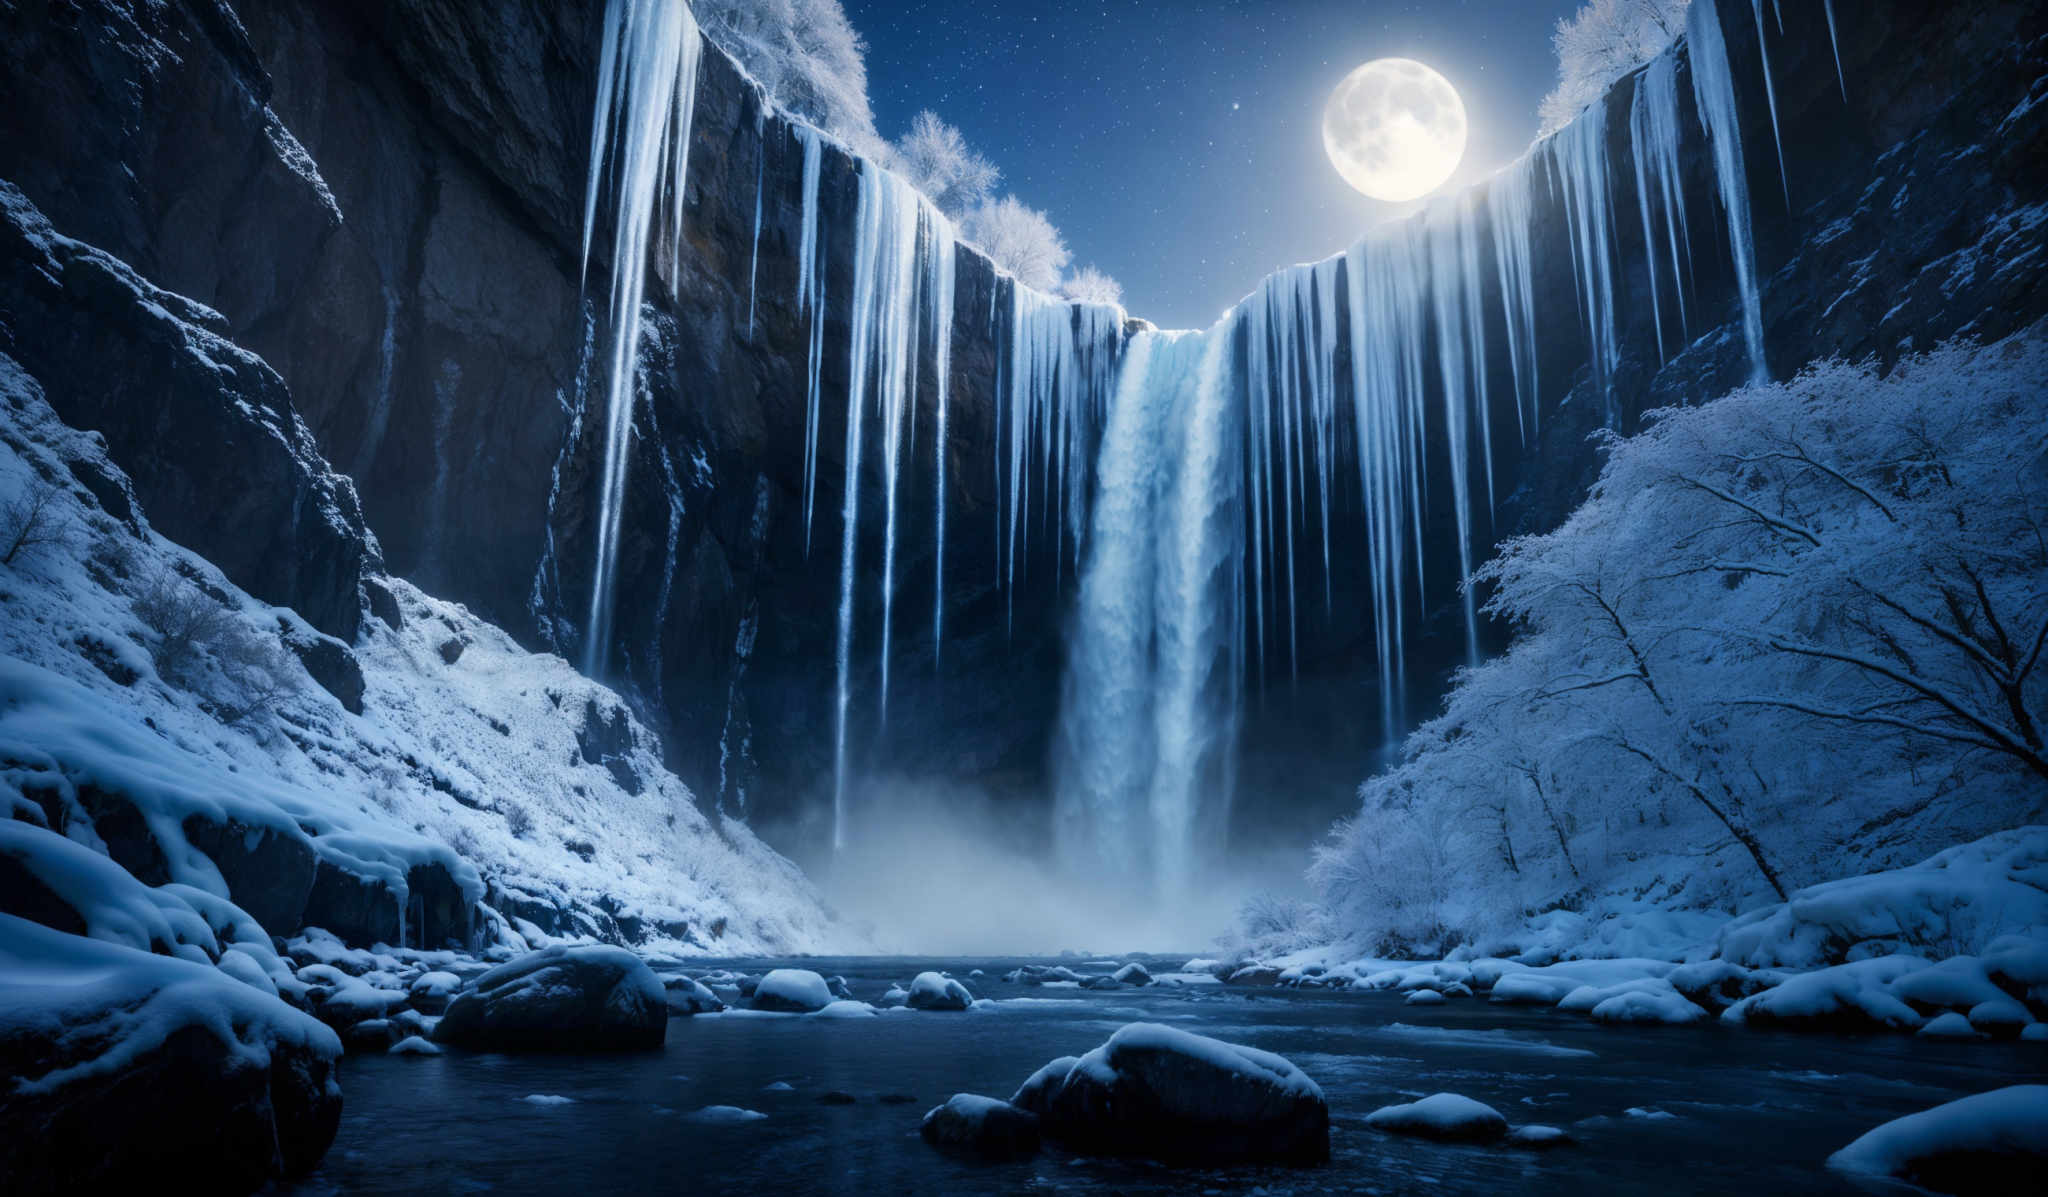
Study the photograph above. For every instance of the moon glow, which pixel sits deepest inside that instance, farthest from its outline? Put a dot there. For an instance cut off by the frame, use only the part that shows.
(1395, 129)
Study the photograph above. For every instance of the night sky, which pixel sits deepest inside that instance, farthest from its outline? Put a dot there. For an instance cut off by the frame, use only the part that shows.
(1178, 143)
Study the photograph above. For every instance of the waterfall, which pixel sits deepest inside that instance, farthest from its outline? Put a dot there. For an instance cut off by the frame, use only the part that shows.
(646, 97)
(1145, 727)
(1713, 89)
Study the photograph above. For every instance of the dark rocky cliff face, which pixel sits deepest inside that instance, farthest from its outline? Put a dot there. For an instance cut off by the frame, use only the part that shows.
(421, 293)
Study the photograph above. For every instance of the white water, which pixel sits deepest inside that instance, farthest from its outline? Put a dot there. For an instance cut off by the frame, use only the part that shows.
(1145, 728)
(646, 97)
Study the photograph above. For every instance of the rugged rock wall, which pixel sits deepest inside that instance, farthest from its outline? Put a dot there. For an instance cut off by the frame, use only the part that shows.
(436, 336)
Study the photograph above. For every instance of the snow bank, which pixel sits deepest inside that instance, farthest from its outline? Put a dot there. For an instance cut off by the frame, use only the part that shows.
(1989, 1142)
(1846, 997)
(1961, 899)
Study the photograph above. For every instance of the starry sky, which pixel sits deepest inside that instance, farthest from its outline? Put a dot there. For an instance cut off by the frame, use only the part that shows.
(1178, 143)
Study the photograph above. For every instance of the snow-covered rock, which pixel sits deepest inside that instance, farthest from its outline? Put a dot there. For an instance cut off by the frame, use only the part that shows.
(561, 999)
(1133, 973)
(1995, 1142)
(1447, 1116)
(933, 991)
(846, 1008)
(1850, 997)
(1424, 997)
(1164, 1093)
(207, 1079)
(724, 1115)
(1649, 1005)
(984, 1126)
(686, 996)
(792, 990)
(1949, 1026)
(414, 1045)
(1534, 1137)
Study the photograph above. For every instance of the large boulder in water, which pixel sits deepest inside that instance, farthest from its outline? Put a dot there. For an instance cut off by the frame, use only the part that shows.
(1169, 1095)
(561, 999)
(984, 1126)
(792, 991)
(932, 991)
(687, 996)
(120, 1068)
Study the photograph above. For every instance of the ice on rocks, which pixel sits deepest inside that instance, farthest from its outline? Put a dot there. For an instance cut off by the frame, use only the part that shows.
(935, 991)
(1448, 1116)
(791, 990)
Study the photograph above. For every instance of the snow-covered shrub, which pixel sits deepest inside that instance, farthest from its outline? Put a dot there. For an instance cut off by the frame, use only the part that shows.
(1796, 633)
(1021, 240)
(31, 521)
(936, 160)
(808, 57)
(1089, 285)
(194, 630)
(1600, 43)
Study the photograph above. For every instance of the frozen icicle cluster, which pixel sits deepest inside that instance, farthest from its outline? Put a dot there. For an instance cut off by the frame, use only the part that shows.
(1713, 87)
(1660, 198)
(902, 288)
(640, 152)
(1059, 372)
(1579, 156)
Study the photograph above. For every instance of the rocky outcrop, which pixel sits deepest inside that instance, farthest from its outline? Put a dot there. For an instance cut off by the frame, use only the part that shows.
(203, 428)
(982, 1126)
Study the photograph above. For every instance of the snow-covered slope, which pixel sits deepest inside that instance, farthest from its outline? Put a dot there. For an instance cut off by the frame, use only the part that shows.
(150, 710)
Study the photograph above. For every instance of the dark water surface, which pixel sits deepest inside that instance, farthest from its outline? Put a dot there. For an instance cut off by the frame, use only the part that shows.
(1716, 1110)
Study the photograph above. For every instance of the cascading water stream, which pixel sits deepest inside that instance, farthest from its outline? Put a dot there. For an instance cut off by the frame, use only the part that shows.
(1177, 473)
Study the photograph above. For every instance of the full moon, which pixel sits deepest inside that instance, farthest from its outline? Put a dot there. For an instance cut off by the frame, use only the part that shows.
(1395, 129)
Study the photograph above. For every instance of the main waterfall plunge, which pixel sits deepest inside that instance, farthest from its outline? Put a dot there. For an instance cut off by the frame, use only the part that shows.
(1185, 486)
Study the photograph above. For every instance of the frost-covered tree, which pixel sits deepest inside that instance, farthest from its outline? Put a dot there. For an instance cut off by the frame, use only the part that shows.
(1021, 240)
(1795, 632)
(937, 161)
(1600, 43)
(1089, 285)
(808, 57)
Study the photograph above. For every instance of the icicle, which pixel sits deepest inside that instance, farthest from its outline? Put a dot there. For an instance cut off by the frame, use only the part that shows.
(1654, 135)
(810, 293)
(647, 90)
(941, 286)
(1763, 52)
(1835, 43)
(760, 177)
(1579, 154)
(883, 342)
(1713, 87)
(1511, 213)
(1446, 260)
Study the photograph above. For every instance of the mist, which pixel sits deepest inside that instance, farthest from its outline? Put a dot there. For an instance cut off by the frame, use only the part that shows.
(935, 870)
